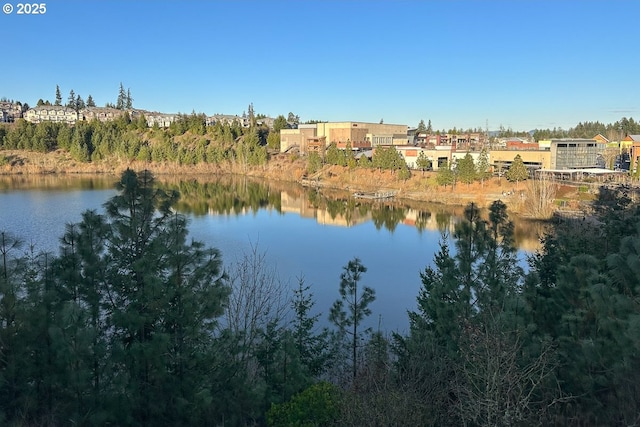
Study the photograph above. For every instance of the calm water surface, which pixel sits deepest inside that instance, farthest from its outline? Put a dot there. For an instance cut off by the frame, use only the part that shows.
(303, 232)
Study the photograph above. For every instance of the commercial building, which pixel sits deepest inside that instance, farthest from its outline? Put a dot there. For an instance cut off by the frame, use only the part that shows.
(576, 153)
(634, 152)
(360, 135)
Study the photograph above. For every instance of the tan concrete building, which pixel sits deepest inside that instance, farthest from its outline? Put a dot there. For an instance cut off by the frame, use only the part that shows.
(439, 155)
(534, 159)
(300, 138)
(359, 134)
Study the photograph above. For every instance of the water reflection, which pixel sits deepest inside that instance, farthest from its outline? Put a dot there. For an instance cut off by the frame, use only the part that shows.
(233, 195)
(239, 195)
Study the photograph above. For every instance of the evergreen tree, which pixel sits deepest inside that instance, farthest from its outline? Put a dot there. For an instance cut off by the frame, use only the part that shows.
(121, 102)
(517, 171)
(445, 175)
(421, 127)
(58, 96)
(483, 167)
(129, 101)
(71, 101)
(279, 123)
(311, 347)
(165, 295)
(349, 311)
(422, 162)
(90, 101)
(79, 104)
(466, 169)
(314, 163)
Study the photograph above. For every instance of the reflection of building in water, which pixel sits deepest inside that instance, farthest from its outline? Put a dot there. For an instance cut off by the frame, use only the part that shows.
(526, 234)
(426, 220)
(302, 206)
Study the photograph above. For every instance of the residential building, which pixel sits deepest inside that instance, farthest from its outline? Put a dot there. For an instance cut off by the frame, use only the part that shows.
(51, 113)
(103, 114)
(10, 111)
(154, 118)
(225, 119)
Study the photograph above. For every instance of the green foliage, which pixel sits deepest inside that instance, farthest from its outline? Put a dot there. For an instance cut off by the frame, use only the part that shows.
(333, 155)
(273, 140)
(314, 163)
(422, 162)
(119, 328)
(466, 169)
(483, 168)
(517, 171)
(249, 152)
(348, 312)
(445, 175)
(58, 96)
(318, 405)
(388, 158)
(279, 123)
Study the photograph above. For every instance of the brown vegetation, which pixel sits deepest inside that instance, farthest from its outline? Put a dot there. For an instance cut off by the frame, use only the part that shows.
(292, 168)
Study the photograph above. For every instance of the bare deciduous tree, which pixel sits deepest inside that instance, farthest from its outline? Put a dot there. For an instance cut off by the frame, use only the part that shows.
(539, 197)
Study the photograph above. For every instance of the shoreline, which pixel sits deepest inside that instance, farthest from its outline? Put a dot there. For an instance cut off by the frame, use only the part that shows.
(420, 187)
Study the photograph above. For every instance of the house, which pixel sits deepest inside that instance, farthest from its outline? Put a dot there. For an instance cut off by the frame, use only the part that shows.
(225, 119)
(103, 114)
(10, 111)
(51, 113)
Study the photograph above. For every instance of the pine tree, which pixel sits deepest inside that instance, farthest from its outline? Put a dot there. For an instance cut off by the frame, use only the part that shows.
(129, 101)
(349, 311)
(58, 96)
(71, 101)
(90, 102)
(79, 104)
(422, 162)
(483, 167)
(121, 102)
(445, 175)
(164, 297)
(517, 171)
(466, 169)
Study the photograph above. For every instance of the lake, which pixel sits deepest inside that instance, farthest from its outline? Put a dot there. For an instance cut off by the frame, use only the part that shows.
(303, 232)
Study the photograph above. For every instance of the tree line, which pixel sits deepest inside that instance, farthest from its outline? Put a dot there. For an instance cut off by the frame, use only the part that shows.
(135, 323)
(131, 139)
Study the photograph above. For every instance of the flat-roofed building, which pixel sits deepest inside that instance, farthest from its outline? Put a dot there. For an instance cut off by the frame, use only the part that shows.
(360, 135)
(501, 160)
(569, 153)
(439, 156)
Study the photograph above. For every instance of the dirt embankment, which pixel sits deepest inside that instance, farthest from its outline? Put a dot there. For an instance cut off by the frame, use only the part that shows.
(281, 167)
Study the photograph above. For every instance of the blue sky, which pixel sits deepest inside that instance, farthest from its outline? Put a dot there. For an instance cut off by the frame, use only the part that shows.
(516, 63)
